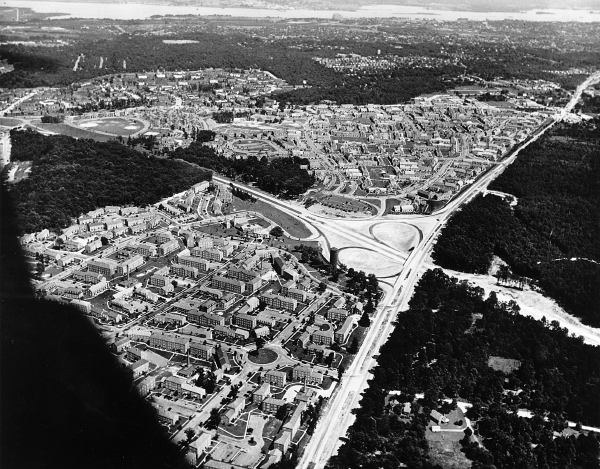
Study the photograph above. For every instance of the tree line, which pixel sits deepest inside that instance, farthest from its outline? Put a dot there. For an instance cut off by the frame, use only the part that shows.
(279, 176)
(44, 66)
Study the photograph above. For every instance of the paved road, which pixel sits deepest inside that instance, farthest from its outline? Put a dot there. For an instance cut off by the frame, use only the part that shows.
(325, 440)
(337, 416)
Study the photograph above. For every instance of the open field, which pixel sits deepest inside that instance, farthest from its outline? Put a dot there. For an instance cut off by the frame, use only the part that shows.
(369, 261)
(293, 226)
(112, 125)
(65, 129)
(375, 202)
(397, 235)
(10, 121)
(445, 449)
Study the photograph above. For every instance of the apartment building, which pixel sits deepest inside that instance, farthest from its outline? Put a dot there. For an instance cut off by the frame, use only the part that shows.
(169, 342)
(201, 264)
(184, 271)
(205, 352)
(272, 405)
(342, 334)
(306, 374)
(337, 314)
(211, 255)
(106, 267)
(297, 294)
(168, 247)
(129, 265)
(146, 249)
(278, 301)
(88, 276)
(205, 319)
(244, 320)
(159, 280)
(277, 378)
(323, 337)
(227, 284)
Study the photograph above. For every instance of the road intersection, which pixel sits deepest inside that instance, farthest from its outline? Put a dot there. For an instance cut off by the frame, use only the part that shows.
(337, 416)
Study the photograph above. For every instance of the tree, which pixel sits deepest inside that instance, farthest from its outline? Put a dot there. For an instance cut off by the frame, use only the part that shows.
(276, 232)
(260, 342)
(281, 412)
(189, 434)
(341, 370)
(214, 420)
(322, 286)
(364, 320)
(369, 307)
(353, 349)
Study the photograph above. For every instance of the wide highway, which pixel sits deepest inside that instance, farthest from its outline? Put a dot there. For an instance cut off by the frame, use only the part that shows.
(337, 416)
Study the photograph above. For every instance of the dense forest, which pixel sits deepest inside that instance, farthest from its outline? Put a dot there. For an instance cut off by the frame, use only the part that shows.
(551, 236)
(441, 347)
(70, 177)
(52, 66)
(280, 176)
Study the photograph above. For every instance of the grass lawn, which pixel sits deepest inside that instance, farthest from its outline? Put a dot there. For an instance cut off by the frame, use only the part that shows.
(115, 126)
(327, 382)
(290, 224)
(65, 129)
(10, 121)
(375, 202)
(298, 352)
(389, 205)
(238, 429)
(445, 449)
(359, 333)
(264, 356)
(270, 432)
(290, 244)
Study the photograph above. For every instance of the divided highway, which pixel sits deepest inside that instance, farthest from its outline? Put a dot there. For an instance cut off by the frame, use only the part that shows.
(337, 416)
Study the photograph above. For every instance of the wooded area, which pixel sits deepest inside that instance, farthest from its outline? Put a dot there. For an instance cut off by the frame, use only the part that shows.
(70, 177)
(441, 347)
(557, 183)
(278, 176)
(47, 66)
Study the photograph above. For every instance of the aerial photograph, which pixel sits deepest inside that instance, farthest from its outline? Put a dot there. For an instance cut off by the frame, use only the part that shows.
(312, 234)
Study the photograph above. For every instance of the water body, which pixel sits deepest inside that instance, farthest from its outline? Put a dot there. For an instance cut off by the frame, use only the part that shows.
(133, 11)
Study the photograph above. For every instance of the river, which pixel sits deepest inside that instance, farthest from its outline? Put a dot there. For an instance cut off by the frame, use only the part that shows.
(132, 11)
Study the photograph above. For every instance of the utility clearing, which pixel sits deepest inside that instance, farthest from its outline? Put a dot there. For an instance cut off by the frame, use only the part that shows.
(534, 304)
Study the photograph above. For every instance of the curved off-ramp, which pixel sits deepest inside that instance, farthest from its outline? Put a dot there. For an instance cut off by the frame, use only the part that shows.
(369, 261)
(402, 246)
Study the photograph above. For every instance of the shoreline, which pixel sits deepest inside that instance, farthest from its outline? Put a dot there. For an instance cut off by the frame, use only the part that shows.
(103, 9)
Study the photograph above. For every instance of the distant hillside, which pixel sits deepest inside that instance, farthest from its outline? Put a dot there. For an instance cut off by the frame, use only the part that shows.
(70, 177)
